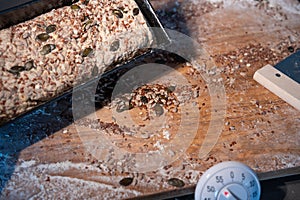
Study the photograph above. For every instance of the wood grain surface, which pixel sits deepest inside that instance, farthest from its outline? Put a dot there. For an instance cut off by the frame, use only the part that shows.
(258, 128)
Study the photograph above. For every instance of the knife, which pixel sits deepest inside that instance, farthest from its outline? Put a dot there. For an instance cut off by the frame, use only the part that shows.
(283, 79)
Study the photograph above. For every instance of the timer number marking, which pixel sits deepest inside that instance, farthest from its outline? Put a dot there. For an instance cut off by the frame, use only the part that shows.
(243, 177)
(219, 179)
(254, 194)
(232, 175)
(252, 183)
(211, 189)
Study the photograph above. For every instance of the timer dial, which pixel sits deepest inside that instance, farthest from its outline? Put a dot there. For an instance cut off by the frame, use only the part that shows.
(228, 181)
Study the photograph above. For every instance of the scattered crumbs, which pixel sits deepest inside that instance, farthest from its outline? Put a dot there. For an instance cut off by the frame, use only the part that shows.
(243, 74)
(232, 143)
(47, 179)
(166, 134)
(254, 102)
(159, 145)
(231, 81)
(257, 56)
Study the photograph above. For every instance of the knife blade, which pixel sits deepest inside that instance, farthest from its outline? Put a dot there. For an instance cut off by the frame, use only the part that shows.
(291, 66)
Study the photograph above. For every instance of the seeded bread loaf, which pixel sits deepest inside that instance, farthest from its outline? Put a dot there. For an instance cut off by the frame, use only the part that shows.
(49, 54)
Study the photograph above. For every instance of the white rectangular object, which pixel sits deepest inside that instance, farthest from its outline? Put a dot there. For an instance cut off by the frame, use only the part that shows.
(280, 84)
